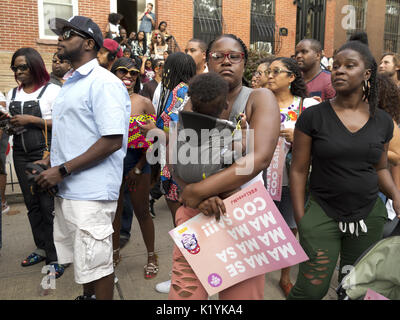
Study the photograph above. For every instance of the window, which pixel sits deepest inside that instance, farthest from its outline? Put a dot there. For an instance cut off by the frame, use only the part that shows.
(360, 7)
(207, 19)
(311, 20)
(392, 26)
(262, 29)
(48, 9)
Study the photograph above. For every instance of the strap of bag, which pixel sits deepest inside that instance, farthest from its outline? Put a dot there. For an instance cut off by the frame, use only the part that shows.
(240, 103)
(301, 106)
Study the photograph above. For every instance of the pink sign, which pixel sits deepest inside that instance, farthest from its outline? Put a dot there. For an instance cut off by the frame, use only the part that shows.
(274, 173)
(251, 239)
(373, 295)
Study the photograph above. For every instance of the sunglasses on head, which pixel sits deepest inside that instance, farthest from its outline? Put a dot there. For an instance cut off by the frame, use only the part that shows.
(21, 67)
(68, 33)
(125, 70)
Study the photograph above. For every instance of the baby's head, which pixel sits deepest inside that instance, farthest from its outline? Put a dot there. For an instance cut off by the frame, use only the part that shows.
(208, 93)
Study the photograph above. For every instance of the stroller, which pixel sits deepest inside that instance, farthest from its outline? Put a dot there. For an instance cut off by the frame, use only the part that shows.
(376, 269)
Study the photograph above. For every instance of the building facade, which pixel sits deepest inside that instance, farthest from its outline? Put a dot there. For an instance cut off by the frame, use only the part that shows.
(272, 25)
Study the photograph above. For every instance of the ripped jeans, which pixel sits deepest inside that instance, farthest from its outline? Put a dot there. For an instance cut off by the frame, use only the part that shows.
(323, 242)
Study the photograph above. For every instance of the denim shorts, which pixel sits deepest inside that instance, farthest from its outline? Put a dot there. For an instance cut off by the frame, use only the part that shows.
(132, 158)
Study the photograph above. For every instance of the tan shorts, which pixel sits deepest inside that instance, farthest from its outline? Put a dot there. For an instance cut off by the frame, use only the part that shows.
(83, 236)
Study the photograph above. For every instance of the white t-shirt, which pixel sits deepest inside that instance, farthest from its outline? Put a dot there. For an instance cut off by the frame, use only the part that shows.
(46, 101)
(289, 117)
(2, 97)
(114, 29)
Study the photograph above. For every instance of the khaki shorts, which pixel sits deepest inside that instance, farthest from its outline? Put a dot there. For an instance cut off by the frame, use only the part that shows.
(83, 236)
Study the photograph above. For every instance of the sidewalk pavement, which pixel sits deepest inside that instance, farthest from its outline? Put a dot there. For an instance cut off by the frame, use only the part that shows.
(23, 283)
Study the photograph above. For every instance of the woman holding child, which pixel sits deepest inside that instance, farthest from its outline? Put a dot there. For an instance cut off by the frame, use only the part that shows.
(227, 56)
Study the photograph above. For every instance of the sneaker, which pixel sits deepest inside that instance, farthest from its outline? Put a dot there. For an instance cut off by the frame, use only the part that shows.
(58, 268)
(32, 259)
(5, 208)
(163, 287)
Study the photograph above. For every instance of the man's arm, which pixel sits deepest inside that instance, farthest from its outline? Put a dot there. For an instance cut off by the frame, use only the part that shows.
(100, 150)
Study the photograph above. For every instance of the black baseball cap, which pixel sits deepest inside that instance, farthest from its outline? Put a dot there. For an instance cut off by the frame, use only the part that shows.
(79, 23)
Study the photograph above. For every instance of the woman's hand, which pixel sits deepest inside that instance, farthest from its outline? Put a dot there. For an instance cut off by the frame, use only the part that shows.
(21, 120)
(213, 206)
(131, 179)
(287, 134)
(145, 128)
(396, 207)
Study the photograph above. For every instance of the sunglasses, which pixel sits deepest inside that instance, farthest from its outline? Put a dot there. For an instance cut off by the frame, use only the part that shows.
(125, 70)
(233, 57)
(276, 72)
(21, 67)
(66, 34)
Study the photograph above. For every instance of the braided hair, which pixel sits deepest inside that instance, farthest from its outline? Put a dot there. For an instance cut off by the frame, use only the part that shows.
(298, 86)
(179, 67)
(232, 36)
(370, 87)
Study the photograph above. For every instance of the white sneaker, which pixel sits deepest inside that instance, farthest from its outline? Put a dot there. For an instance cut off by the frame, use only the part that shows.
(163, 287)
(5, 208)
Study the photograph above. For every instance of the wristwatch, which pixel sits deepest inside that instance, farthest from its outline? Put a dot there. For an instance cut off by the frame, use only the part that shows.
(63, 170)
(137, 171)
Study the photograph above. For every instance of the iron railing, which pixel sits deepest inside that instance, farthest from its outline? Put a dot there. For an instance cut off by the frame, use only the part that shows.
(207, 19)
(263, 32)
(392, 26)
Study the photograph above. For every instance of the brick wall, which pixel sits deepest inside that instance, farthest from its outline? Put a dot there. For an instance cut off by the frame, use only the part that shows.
(19, 27)
(286, 16)
(179, 16)
(237, 18)
(330, 27)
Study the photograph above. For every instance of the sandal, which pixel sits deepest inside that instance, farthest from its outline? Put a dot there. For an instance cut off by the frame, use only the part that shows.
(58, 268)
(151, 269)
(32, 259)
(286, 288)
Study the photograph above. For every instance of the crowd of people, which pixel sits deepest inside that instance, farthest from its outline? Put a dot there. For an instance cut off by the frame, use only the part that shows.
(111, 92)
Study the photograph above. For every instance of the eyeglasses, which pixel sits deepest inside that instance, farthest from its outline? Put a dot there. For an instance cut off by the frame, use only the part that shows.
(125, 70)
(21, 67)
(276, 72)
(259, 73)
(233, 57)
(66, 34)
